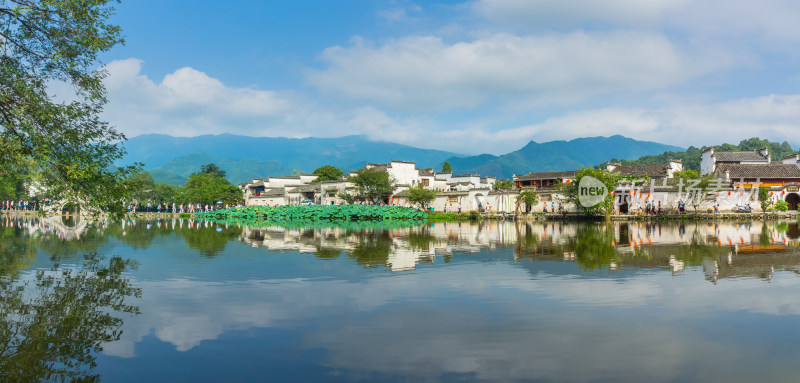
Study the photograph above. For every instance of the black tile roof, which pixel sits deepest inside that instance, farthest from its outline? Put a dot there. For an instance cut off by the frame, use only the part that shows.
(760, 171)
(305, 189)
(751, 156)
(652, 170)
(278, 192)
(545, 176)
(404, 193)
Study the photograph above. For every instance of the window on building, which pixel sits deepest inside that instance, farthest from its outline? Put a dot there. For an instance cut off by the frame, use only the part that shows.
(426, 182)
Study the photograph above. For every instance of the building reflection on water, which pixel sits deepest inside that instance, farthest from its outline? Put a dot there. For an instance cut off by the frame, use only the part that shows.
(721, 249)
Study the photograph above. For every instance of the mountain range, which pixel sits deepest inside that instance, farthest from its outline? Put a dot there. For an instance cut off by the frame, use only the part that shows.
(558, 155)
(172, 159)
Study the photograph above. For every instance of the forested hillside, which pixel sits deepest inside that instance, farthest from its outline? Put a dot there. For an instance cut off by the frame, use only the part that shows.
(691, 157)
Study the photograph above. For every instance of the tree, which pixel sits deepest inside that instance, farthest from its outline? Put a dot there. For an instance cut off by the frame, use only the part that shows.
(344, 195)
(696, 187)
(686, 174)
(144, 189)
(420, 195)
(503, 184)
(213, 169)
(141, 185)
(447, 168)
(208, 188)
(44, 42)
(605, 207)
(327, 173)
(17, 172)
(699, 192)
(373, 183)
(765, 199)
(529, 197)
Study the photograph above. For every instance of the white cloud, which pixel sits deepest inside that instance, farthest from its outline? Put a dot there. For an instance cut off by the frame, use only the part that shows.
(189, 102)
(425, 73)
(774, 116)
(186, 102)
(763, 21)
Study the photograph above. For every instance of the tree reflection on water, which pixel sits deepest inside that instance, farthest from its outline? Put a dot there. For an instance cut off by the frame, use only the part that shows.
(593, 246)
(54, 322)
(373, 249)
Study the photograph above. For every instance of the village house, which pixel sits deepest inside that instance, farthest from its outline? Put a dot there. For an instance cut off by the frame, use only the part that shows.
(710, 160)
(277, 190)
(735, 178)
(782, 179)
(543, 180)
(469, 191)
(652, 171)
(752, 169)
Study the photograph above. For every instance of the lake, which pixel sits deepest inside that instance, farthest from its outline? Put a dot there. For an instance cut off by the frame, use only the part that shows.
(189, 301)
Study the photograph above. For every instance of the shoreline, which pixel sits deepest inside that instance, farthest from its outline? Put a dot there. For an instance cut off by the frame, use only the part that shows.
(466, 217)
(782, 216)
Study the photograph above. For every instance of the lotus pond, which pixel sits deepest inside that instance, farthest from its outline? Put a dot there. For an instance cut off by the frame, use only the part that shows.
(224, 301)
(308, 213)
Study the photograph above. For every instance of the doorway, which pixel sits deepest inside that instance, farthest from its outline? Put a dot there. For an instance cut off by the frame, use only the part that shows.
(792, 199)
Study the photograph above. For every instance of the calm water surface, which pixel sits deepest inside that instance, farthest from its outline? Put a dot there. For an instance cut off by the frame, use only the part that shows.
(199, 301)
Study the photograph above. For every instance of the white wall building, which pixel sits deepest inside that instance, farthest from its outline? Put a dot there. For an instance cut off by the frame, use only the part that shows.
(710, 160)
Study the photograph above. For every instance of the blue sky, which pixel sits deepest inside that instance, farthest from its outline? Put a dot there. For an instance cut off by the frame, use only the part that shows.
(465, 76)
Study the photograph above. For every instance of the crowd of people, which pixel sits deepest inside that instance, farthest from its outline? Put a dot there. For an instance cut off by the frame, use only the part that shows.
(174, 208)
(21, 205)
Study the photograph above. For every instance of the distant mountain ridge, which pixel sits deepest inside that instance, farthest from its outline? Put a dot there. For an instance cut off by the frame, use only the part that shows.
(178, 170)
(173, 159)
(558, 155)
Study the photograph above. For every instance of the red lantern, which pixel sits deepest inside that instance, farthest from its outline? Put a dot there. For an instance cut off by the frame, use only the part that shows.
(729, 193)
